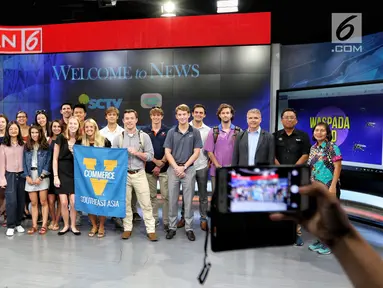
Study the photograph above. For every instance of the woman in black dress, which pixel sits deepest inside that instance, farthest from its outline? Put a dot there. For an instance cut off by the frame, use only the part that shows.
(92, 137)
(54, 200)
(63, 172)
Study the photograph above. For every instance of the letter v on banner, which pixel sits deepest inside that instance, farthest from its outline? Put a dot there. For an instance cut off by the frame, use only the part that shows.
(99, 184)
(100, 180)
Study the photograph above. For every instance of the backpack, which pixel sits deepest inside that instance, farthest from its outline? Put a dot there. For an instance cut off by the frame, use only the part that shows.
(140, 136)
(216, 132)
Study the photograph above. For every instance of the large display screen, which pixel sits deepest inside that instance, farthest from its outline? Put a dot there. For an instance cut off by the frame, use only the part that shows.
(139, 79)
(354, 114)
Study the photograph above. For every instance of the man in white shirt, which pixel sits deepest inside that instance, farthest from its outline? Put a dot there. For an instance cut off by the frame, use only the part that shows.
(110, 131)
(201, 166)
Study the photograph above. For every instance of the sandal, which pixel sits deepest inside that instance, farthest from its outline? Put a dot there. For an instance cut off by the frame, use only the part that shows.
(92, 232)
(43, 230)
(101, 233)
(32, 230)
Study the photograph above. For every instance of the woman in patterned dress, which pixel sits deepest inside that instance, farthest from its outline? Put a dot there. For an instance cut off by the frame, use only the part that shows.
(325, 161)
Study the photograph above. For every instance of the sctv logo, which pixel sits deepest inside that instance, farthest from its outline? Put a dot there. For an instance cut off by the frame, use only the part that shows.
(99, 103)
(99, 179)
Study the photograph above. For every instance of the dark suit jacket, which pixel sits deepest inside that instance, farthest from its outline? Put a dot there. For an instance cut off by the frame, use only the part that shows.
(265, 150)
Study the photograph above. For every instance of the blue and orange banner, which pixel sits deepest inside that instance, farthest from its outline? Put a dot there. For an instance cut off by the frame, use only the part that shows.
(100, 180)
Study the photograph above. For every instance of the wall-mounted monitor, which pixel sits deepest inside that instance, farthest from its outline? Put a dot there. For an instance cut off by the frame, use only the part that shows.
(354, 113)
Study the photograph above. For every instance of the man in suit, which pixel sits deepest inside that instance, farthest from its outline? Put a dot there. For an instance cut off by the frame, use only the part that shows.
(254, 145)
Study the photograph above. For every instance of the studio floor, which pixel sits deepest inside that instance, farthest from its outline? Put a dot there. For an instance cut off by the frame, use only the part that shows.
(79, 261)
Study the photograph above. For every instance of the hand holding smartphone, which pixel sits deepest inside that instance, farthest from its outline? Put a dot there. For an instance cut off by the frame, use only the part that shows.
(246, 196)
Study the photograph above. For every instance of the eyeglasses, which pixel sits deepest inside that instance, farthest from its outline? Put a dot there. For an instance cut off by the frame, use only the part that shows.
(41, 112)
(21, 112)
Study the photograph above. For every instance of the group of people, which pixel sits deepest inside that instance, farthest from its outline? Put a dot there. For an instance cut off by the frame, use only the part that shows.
(36, 164)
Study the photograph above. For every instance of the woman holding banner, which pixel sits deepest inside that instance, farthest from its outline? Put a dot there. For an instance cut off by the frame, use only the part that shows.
(63, 172)
(92, 137)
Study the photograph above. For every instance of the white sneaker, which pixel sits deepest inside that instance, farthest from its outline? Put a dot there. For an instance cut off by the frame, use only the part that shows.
(20, 229)
(10, 232)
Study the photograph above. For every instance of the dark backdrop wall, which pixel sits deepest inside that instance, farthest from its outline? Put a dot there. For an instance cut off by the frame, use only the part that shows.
(315, 64)
(140, 79)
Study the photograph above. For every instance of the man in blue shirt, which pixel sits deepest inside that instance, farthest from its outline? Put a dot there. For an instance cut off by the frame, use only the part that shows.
(156, 169)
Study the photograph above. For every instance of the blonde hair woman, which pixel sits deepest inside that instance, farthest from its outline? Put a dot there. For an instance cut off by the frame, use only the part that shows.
(92, 137)
(63, 172)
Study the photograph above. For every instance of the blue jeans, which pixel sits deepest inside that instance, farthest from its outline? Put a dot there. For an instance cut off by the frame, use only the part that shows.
(15, 198)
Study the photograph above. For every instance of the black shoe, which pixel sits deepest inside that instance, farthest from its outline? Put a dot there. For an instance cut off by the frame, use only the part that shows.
(77, 233)
(118, 223)
(190, 235)
(63, 232)
(171, 234)
(136, 217)
(166, 228)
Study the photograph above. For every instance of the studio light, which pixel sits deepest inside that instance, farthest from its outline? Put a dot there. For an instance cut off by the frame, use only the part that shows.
(168, 9)
(227, 6)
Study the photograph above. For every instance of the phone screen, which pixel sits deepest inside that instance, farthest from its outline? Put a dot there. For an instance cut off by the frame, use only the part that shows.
(265, 189)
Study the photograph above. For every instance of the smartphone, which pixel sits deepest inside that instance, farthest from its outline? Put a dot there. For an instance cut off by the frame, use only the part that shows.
(263, 189)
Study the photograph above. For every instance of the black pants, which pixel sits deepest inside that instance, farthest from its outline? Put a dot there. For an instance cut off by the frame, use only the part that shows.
(15, 198)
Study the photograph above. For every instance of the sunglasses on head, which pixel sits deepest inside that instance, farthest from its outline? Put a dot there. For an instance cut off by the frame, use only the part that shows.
(155, 107)
(41, 112)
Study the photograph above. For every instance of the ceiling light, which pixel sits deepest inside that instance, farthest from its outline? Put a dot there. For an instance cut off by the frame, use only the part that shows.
(168, 9)
(227, 3)
(227, 10)
(227, 6)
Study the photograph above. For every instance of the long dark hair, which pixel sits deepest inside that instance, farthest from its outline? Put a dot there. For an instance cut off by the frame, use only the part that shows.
(47, 125)
(328, 131)
(43, 144)
(7, 137)
(51, 125)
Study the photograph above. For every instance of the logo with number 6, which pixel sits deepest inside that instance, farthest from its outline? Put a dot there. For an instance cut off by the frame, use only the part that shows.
(346, 28)
(21, 40)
